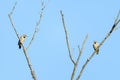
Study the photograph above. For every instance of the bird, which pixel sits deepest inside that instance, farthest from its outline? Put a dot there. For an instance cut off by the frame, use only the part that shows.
(95, 46)
(21, 40)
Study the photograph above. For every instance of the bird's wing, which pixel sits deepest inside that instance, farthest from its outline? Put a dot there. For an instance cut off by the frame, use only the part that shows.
(94, 46)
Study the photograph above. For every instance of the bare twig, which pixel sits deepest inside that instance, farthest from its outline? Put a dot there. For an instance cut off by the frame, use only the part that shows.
(91, 56)
(25, 51)
(117, 28)
(80, 53)
(38, 23)
(13, 8)
(68, 45)
(9, 15)
(44, 5)
(116, 20)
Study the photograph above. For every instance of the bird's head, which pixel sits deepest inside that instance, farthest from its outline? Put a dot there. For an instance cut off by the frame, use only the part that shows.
(24, 35)
(95, 42)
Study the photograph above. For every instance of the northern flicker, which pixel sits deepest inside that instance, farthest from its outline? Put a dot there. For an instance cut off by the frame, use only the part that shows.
(21, 40)
(95, 46)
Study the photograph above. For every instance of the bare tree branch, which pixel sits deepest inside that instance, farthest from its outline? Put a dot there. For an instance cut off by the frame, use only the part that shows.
(116, 20)
(80, 53)
(68, 45)
(25, 51)
(91, 56)
(29, 63)
(9, 15)
(117, 28)
(38, 23)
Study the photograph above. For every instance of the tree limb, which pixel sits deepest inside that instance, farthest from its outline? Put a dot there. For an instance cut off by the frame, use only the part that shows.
(29, 63)
(80, 53)
(9, 15)
(68, 45)
(38, 23)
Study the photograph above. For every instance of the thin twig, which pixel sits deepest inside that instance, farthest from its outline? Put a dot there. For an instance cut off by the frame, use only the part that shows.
(37, 24)
(80, 53)
(25, 51)
(117, 17)
(13, 8)
(9, 15)
(117, 28)
(44, 5)
(115, 22)
(68, 45)
(91, 56)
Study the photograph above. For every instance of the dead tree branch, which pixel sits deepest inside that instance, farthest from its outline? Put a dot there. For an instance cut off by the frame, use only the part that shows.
(117, 20)
(38, 23)
(80, 53)
(68, 45)
(9, 15)
(29, 64)
(24, 49)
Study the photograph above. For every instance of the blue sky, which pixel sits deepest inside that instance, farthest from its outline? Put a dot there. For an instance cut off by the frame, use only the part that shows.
(48, 52)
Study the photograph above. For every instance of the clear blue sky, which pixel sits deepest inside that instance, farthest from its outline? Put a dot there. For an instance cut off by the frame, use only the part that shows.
(48, 52)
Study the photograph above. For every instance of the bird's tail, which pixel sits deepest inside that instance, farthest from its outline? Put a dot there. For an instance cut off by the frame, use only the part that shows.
(19, 44)
(97, 51)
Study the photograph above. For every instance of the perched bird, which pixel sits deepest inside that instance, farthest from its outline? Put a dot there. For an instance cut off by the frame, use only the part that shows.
(95, 46)
(21, 40)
